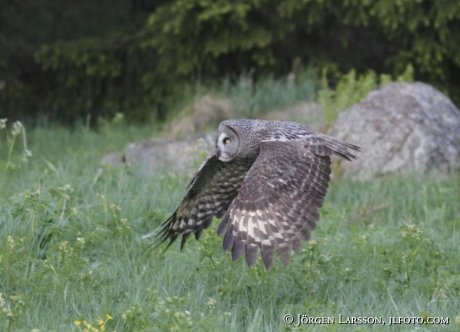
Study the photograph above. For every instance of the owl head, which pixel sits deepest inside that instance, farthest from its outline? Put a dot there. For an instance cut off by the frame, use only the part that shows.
(237, 139)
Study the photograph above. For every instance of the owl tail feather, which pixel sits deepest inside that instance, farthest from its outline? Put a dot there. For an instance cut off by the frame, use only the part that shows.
(340, 148)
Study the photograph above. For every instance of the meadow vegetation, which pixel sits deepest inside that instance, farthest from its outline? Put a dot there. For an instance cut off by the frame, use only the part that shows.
(72, 257)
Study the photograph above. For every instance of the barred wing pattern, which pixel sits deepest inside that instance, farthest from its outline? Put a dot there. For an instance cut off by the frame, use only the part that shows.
(279, 200)
(267, 179)
(209, 194)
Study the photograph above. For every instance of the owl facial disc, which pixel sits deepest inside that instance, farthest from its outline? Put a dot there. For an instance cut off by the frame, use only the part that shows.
(227, 145)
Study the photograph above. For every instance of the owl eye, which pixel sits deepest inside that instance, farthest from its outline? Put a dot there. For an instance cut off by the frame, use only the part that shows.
(226, 140)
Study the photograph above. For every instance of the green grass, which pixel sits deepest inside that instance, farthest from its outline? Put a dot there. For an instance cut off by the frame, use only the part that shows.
(251, 101)
(71, 250)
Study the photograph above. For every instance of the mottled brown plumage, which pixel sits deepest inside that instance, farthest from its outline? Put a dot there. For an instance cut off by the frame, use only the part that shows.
(267, 179)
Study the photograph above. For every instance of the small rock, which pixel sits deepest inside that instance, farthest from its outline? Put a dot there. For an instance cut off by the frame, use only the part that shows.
(175, 154)
(205, 113)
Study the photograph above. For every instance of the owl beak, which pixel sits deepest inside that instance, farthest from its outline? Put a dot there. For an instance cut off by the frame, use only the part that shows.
(217, 152)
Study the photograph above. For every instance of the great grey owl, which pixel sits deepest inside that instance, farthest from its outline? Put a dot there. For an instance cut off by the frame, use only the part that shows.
(267, 179)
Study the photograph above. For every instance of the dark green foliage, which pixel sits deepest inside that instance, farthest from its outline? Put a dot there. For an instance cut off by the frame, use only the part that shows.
(180, 42)
(26, 25)
(95, 75)
(11, 88)
(385, 34)
(146, 51)
(215, 37)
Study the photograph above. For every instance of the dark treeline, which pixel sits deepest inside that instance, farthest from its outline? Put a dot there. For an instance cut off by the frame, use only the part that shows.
(68, 59)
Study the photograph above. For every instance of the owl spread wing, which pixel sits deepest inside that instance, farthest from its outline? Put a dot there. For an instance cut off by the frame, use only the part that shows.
(209, 194)
(279, 200)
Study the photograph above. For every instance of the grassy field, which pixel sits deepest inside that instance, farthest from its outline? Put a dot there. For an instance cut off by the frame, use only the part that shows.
(72, 257)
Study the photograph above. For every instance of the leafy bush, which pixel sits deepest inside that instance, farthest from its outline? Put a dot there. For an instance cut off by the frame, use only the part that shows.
(352, 88)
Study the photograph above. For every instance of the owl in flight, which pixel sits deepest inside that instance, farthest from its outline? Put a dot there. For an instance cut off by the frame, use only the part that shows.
(267, 179)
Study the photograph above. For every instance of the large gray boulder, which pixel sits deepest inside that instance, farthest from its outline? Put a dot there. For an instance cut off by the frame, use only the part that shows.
(401, 127)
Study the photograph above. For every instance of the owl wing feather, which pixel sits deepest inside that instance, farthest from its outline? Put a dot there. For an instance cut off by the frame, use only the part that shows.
(212, 189)
(280, 197)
